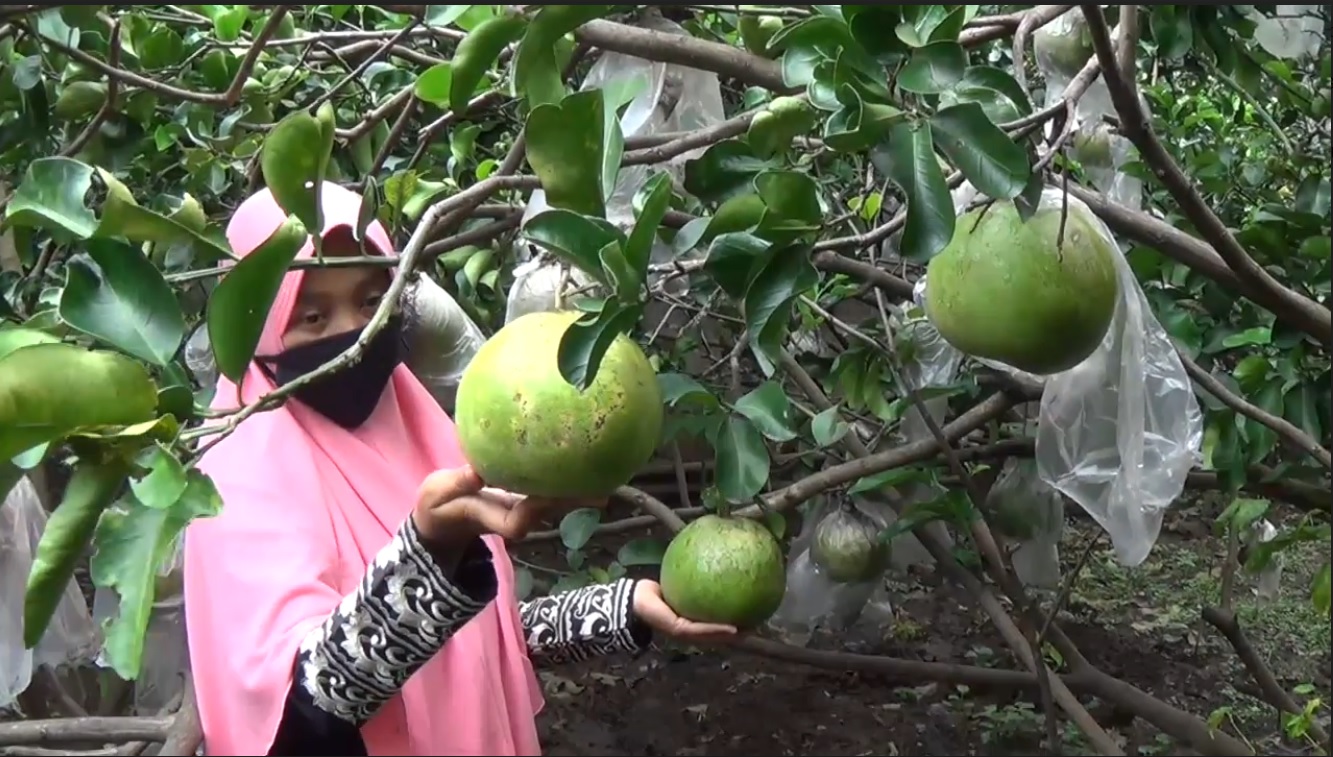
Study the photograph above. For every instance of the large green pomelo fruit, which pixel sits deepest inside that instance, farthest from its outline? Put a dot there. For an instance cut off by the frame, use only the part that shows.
(724, 570)
(1004, 290)
(528, 431)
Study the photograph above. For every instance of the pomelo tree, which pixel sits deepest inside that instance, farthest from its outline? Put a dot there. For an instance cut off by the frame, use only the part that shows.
(764, 254)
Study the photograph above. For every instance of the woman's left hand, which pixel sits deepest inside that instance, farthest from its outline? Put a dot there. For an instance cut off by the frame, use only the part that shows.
(652, 609)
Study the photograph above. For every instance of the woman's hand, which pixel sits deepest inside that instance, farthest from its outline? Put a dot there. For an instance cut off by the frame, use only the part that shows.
(454, 506)
(652, 609)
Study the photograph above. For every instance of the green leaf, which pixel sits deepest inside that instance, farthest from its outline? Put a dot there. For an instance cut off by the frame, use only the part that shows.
(641, 551)
(769, 409)
(907, 159)
(134, 542)
(626, 282)
(565, 150)
(934, 68)
(48, 391)
(857, 124)
(164, 481)
(677, 388)
(923, 24)
(578, 526)
(51, 197)
(791, 201)
(585, 342)
(1321, 588)
(575, 239)
(727, 168)
(999, 82)
(443, 15)
(651, 202)
(92, 487)
(478, 51)
(294, 160)
(434, 84)
(826, 32)
(768, 301)
(537, 72)
(995, 164)
(733, 259)
(828, 428)
(742, 460)
(240, 303)
(113, 293)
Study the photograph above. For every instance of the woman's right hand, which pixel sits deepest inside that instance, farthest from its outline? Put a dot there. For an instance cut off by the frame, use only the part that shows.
(452, 510)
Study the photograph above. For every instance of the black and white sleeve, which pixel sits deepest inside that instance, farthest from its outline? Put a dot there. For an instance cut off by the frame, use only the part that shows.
(405, 609)
(575, 625)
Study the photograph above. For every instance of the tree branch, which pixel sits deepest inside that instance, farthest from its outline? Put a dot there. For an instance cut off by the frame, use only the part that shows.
(1313, 318)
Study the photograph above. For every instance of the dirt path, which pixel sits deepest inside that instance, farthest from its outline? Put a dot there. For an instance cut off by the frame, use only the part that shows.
(1141, 625)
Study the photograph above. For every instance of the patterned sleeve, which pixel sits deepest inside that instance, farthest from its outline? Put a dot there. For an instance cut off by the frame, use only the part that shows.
(575, 625)
(403, 612)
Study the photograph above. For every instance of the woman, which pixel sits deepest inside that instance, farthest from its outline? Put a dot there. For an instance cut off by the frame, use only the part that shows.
(355, 596)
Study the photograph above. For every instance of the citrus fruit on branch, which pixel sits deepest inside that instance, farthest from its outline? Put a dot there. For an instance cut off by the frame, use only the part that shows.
(724, 570)
(1036, 295)
(846, 546)
(528, 431)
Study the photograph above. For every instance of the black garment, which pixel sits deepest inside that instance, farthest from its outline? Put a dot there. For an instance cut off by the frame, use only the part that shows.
(322, 719)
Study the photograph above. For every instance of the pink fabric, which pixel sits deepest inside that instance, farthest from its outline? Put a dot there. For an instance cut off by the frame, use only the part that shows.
(307, 506)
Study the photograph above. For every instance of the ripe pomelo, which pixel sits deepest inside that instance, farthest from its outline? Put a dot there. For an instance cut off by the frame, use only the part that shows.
(528, 431)
(724, 570)
(1006, 290)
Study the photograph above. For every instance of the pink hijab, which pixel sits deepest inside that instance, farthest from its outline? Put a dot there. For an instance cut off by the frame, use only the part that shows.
(307, 506)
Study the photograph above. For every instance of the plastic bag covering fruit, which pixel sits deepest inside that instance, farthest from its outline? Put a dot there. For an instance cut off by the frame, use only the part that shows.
(527, 430)
(724, 570)
(846, 545)
(1021, 294)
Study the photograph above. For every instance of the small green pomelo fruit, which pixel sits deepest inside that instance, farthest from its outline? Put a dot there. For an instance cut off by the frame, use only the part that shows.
(1095, 149)
(846, 546)
(724, 570)
(757, 30)
(528, 431)
(1009, 291)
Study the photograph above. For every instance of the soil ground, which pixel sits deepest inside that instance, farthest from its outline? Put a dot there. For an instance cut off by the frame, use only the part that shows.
(1142, 625)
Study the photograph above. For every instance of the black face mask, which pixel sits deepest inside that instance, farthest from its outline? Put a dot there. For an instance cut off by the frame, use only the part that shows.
(347, 396)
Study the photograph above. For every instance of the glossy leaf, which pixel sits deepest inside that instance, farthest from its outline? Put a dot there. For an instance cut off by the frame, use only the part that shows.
(240, 303)
(113, 293)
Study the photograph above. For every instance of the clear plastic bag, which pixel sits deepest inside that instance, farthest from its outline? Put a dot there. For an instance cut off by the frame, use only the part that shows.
(441, 338)
(1028, 512)
(928, 362)
(199, 359)
(1061, 49)
(71, 637)
(670, 98)
(1268, 584)
(813, 600)
(1119, 432)
(542, 284)
(1104, 154)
